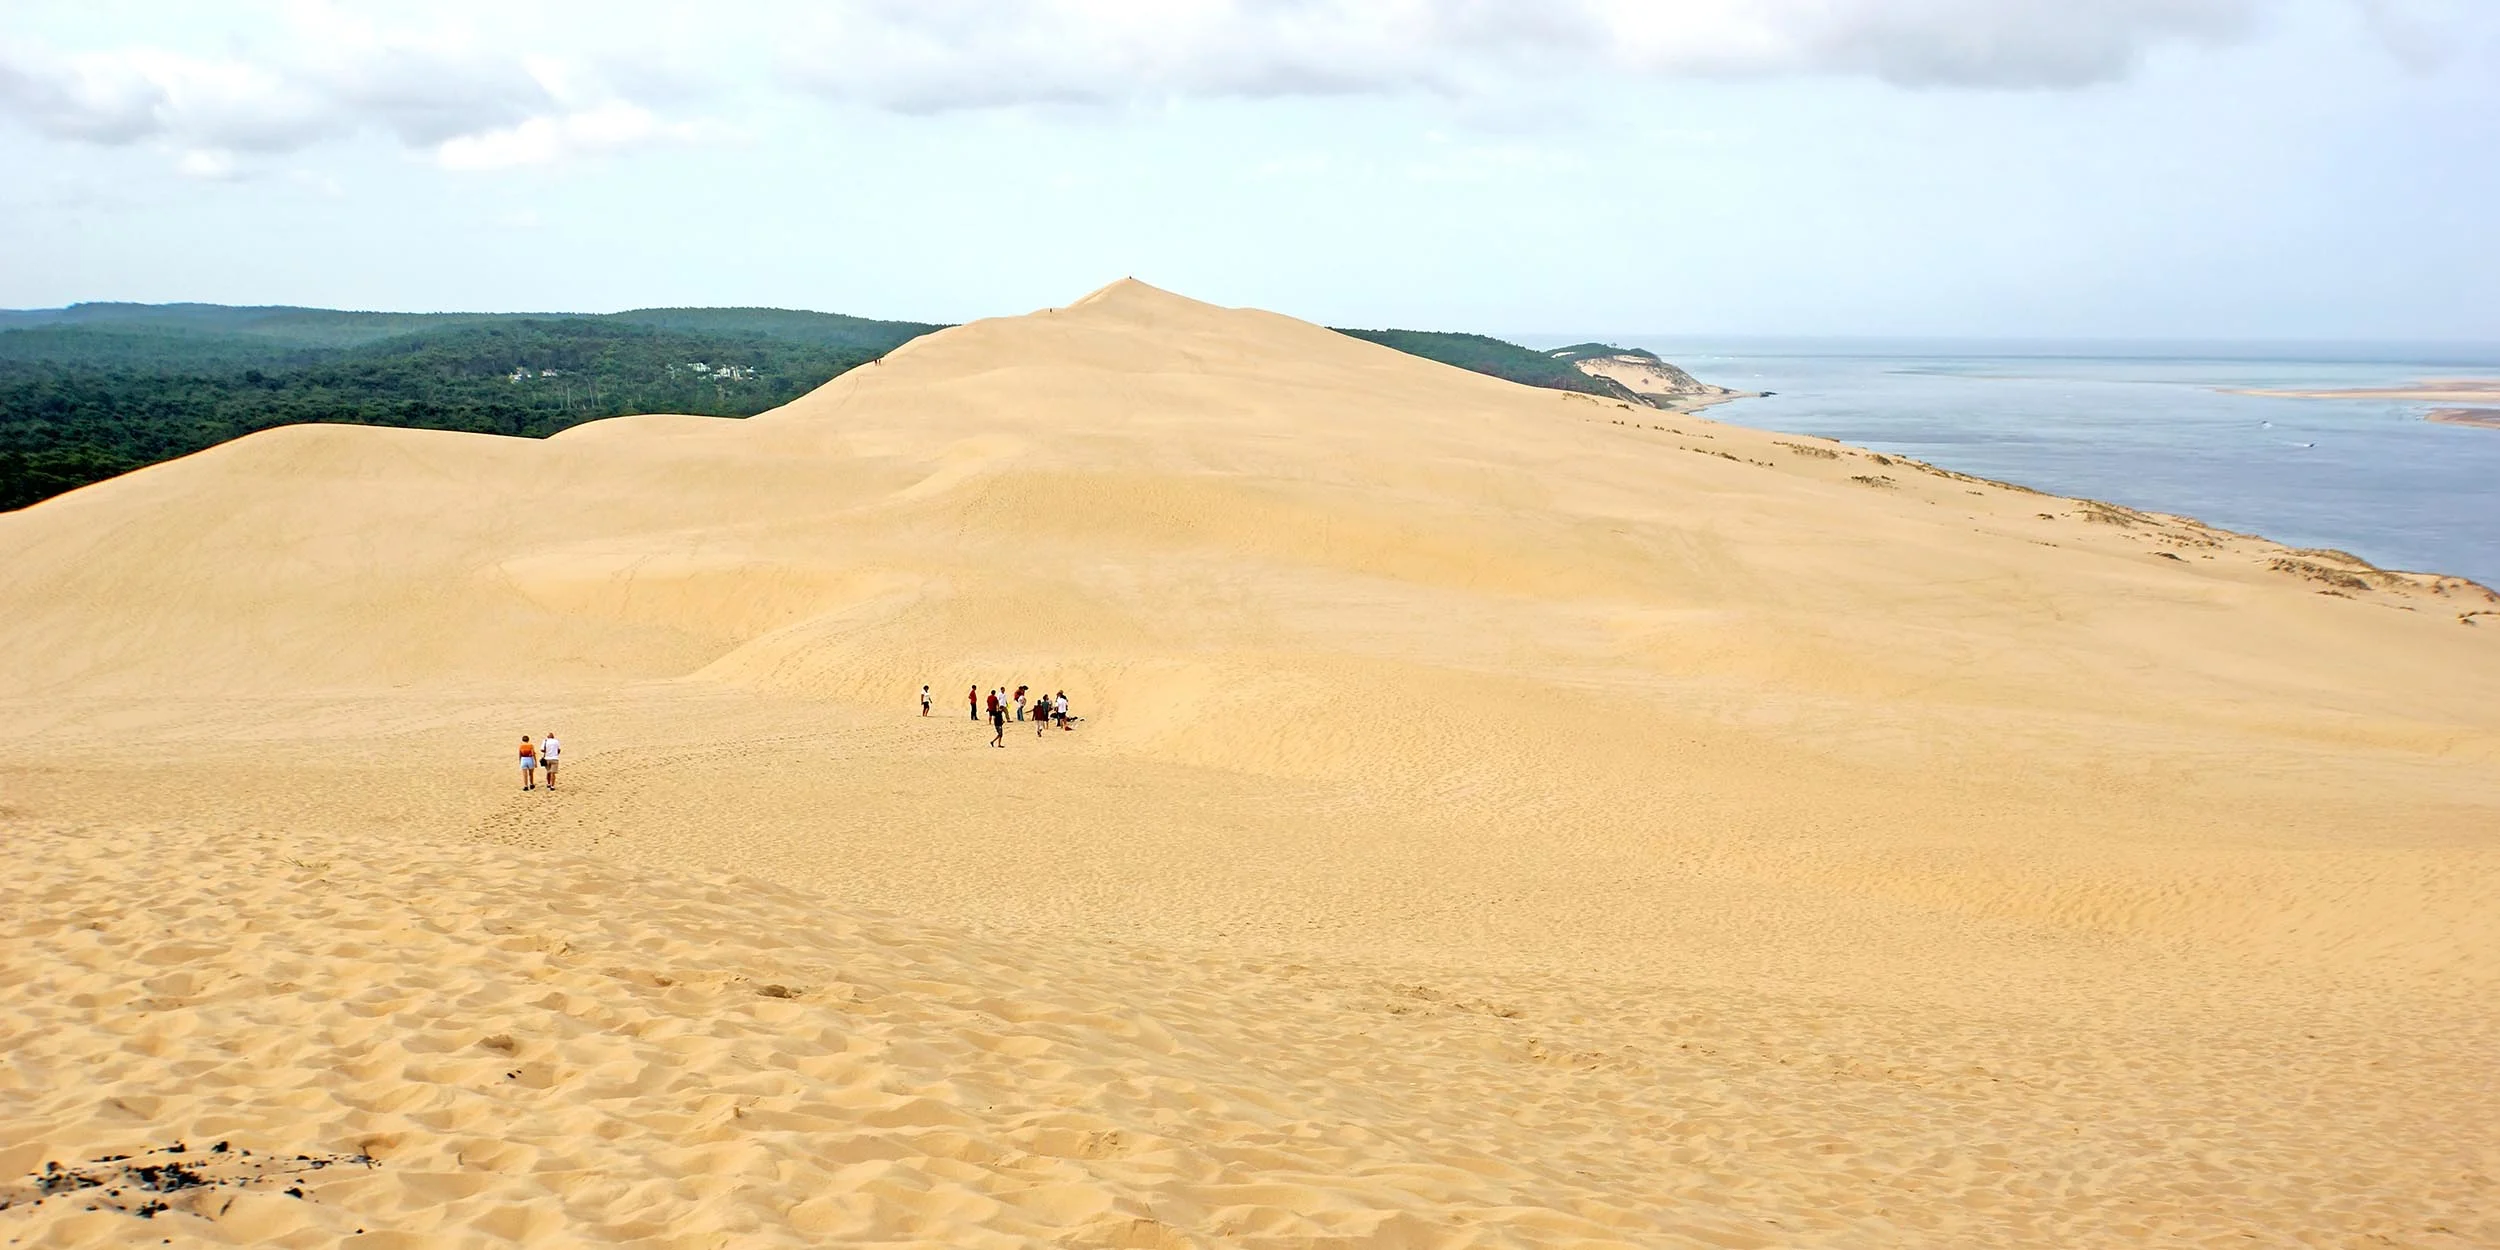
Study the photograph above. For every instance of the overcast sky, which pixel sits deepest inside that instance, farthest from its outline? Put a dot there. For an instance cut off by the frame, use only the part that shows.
(2128, 168)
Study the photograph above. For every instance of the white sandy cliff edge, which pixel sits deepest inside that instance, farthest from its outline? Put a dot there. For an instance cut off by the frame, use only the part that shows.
(1655, 381)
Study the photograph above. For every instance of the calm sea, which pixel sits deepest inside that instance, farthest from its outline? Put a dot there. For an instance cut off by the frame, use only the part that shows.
(2154, 426)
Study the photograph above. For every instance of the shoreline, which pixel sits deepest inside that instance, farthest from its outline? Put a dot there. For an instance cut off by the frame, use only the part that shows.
(2297, 560)
(1691, 405)
(2482, 393)
(2486, 418)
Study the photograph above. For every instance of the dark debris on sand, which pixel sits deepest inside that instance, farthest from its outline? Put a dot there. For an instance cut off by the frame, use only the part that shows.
(141, 1184)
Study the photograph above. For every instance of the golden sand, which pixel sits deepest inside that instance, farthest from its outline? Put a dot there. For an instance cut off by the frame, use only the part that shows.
(1501, 818)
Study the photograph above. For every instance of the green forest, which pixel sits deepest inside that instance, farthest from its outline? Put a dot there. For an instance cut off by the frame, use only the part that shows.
(1599, 351)
(95, 390)
(1484, 354)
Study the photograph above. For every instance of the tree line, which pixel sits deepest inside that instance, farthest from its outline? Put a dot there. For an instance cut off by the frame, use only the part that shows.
(81, 401)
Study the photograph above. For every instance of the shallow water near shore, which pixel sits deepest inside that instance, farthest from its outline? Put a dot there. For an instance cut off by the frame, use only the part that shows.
(2156, 426)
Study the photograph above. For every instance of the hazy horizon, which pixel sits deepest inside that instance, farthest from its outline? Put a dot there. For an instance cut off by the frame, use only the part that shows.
(2348, 350)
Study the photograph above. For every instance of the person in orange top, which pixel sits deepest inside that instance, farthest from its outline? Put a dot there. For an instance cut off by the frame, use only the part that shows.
(529, 764)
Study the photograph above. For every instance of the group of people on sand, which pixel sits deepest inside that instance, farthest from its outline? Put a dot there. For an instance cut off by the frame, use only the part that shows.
(543, 754)
(1047, 709)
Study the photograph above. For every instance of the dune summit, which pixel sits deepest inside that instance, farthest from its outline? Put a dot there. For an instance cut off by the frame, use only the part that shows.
(1503, 817)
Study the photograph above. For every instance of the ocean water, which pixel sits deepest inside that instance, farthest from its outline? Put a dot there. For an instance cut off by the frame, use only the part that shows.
(2154, 426)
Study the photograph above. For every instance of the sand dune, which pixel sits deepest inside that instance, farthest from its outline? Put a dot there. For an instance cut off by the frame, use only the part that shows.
(1503, 817)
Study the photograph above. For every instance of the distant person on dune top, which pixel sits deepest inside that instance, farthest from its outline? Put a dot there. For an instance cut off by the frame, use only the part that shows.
(924, 700)
(548, 751)
(529, 764)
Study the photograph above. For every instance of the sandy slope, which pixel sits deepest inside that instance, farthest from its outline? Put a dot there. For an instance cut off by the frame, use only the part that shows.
(1503, 817)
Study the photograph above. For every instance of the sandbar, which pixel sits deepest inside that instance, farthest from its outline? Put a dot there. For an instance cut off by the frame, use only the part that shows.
(2437, 390)
(2486, 418)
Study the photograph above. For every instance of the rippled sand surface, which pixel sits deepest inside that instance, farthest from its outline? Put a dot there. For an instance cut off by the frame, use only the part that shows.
(1499, 818)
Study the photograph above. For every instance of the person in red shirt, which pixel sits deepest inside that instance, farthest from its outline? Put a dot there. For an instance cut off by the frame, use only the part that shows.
(972, 701)
(529, 764)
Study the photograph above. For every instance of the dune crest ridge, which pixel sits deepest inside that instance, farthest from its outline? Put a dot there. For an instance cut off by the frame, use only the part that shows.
(1502, 817)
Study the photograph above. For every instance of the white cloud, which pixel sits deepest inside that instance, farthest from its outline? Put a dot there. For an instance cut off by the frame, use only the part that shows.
(489, 84)
(1969, 43)
(128, 94)
(932, 55)
(956, 54)
(209, 165)
(2425, 32)
(327, 72)
(610, 127)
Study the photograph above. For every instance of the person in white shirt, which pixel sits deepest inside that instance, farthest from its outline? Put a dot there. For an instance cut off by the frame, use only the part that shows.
(548, 751)
(924, 700)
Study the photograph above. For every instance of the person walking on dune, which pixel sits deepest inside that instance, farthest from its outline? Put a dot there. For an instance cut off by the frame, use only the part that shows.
(972, 700)
(1059, 710)
(529, 764)
(1020, 701)
(924, 699)
(548, 751)
(998, 719)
